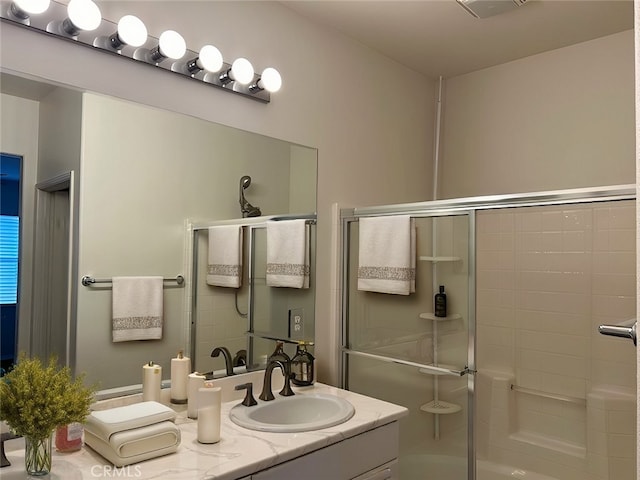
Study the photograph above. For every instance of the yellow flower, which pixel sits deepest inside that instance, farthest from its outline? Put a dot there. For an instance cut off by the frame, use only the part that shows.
(36, 399)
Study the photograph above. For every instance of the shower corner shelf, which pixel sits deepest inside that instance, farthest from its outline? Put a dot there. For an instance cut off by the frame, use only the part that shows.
(440, 408)
(439, 259)
(431, 316)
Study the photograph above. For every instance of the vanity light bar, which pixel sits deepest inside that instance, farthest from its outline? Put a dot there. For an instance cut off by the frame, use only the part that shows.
(129, 39)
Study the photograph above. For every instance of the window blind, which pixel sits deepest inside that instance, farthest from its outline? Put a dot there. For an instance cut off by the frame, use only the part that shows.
(9, 243)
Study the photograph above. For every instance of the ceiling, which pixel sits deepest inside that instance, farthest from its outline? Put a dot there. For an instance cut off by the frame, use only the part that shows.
(440, 38)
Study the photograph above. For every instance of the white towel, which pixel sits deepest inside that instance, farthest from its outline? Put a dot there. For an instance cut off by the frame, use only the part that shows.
(137, 308)
(387, 255)
(133, 446)
(104, 423)
(288, 253)
(132, 433)
(224, 268)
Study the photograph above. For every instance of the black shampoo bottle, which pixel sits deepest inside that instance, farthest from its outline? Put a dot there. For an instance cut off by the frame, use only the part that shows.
(440, 303)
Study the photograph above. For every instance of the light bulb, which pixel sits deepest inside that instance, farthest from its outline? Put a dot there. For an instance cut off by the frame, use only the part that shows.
(209, 59)
(270, 80)
(84, 15)
(32, 7)
(242, 71)
(132, 31)
(172, 45)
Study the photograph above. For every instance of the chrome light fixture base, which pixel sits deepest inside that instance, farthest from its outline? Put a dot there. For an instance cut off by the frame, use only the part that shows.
(102, 38)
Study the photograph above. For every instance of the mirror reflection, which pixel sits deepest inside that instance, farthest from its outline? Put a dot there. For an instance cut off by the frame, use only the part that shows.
(254, 310)
(141, 179)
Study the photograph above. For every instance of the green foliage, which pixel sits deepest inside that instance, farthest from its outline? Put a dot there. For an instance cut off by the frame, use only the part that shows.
(35, 399)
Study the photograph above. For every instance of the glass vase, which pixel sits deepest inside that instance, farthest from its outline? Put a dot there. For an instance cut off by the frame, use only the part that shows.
(37, 456)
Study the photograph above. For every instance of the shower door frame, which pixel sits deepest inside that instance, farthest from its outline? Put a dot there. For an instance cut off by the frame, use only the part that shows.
(459, 206)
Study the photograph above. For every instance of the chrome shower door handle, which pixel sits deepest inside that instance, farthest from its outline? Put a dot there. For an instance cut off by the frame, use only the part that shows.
(622, 331)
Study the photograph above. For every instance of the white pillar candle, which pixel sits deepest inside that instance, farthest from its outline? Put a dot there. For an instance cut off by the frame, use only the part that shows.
(196, 382)
(180, 369)
(151, 382)
(209, 404)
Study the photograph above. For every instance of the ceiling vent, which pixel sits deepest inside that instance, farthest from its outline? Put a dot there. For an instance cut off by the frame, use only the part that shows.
(489, 8)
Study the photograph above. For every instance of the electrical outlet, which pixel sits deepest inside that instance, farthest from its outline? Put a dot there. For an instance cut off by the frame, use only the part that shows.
(296, 323)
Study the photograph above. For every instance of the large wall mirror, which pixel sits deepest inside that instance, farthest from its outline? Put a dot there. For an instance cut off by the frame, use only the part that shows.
(142, 177)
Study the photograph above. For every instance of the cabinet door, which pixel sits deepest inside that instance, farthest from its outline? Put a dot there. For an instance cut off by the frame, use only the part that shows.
(343, 460)
(385, 472)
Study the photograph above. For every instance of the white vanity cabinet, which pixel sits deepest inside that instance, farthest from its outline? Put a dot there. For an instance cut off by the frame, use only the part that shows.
(371, 455)
(365, 447)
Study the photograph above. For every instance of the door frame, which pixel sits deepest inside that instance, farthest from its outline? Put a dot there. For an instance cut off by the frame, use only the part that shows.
(42, 271)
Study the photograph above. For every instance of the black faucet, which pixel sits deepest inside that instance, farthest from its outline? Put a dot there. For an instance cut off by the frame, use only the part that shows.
(279, 354)
(228, 361)
(286, 391)
(240, 359)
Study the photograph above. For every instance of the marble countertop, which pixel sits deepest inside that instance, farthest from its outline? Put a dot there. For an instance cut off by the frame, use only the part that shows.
(240, 452)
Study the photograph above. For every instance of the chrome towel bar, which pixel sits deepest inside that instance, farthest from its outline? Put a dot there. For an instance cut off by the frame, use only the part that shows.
(553, 396)
(88, 281)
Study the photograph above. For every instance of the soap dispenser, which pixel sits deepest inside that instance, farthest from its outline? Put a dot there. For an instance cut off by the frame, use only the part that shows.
(302, 365)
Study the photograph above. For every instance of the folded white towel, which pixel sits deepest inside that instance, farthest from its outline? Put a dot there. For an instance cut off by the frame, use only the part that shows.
(132, 433)
(288, 253)
(137, 308)
(387, 255)
(136, 445)
(224, 268)
(104, 423)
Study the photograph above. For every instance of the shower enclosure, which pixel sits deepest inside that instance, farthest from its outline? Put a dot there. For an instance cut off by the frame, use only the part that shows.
(516, 380)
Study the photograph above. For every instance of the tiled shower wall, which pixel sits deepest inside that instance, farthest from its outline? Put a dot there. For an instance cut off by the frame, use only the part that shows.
(546, 278)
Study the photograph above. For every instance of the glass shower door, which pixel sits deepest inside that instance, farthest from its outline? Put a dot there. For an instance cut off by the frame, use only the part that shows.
(396, 348)
(555, 398)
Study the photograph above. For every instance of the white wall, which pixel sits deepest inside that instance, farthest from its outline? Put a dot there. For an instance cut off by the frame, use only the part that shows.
(60, 133)
(557, 120)
(303, 164)
(374, 139)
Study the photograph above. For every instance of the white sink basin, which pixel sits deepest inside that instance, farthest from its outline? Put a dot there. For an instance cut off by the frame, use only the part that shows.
(299, 413)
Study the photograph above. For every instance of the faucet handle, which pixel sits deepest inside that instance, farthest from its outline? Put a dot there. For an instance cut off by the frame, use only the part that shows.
(248, 401)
